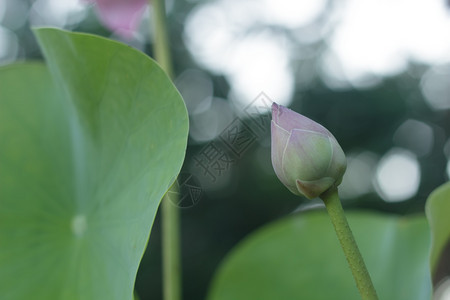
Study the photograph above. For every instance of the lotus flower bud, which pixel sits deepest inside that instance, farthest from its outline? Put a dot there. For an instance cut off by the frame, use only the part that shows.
(305, 155)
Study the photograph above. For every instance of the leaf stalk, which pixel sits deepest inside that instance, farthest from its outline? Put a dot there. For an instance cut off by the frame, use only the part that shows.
(348, 243)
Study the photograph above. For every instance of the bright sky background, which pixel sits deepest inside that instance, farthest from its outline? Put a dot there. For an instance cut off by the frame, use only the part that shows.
(366, 39)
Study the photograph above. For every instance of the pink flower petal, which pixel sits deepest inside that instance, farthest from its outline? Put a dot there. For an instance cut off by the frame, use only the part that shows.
(288, 120)
(120, 16)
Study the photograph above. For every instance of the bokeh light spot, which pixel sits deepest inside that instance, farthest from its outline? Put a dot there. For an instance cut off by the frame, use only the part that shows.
(369, 40)
(2, 9)
(448, 169)
(209, 36)
(60, 13)
(9, 46)
(221, 37)
(207, 125)
(357, 179)
(260, 63)
(442, 291)
(435, 86)
(292, 13)
(397, 176)
(13, 14)
(415, 136)
(196, 88)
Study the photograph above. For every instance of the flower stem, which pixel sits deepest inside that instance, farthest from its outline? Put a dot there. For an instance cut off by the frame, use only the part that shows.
(171, 262)
(161, 42)
(171, 249)
(348, 243)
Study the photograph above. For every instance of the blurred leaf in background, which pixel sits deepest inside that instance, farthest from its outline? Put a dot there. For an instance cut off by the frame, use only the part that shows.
(437, 210)
(300, 258)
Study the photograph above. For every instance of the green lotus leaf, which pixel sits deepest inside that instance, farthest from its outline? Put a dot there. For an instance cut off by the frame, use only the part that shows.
(89, 144)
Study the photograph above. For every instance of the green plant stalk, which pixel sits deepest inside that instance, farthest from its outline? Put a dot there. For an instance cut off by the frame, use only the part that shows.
(171, 248)
(170, 226)
(161, 41)
(348, 243)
